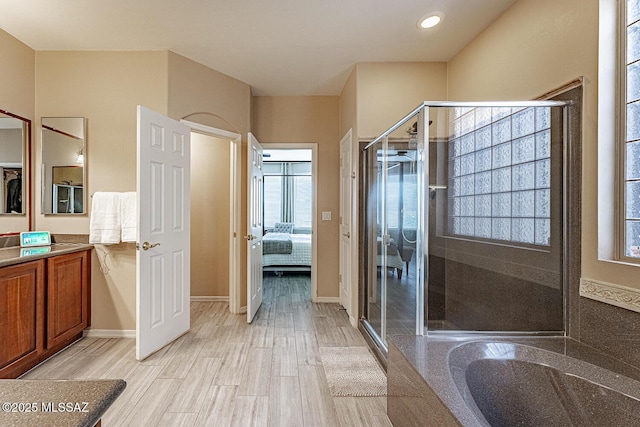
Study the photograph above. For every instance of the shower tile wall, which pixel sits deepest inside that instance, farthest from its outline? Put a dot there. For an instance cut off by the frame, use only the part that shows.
(495, 257)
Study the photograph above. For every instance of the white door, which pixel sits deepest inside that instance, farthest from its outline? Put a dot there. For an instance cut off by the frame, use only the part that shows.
(345, 222)
(255, 227)
(162, 261)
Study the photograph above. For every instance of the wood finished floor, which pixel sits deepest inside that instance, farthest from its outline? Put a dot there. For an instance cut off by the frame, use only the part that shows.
(401, 303)
(225, 372)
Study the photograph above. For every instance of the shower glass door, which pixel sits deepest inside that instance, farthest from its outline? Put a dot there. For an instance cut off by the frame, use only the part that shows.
(376, 291)
(394, 171)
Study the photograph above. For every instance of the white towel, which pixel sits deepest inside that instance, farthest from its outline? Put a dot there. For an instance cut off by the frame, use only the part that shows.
(128, 216)
(105, 224)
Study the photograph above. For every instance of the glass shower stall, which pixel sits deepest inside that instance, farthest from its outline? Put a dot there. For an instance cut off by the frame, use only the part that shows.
(464, 220)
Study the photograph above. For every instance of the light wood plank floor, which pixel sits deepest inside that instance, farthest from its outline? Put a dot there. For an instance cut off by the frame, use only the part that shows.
(225, 372)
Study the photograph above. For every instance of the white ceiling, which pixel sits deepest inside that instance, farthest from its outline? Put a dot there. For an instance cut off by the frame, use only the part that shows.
(279, 47)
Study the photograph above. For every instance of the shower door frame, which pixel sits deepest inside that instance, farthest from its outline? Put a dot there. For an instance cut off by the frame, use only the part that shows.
(423, 208)
(422, 172)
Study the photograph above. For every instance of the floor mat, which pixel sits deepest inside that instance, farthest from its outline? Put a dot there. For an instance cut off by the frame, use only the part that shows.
(353, 371)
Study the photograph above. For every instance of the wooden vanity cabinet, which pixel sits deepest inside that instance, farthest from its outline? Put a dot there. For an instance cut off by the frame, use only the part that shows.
(45, 306)
(22, 293)
(67, 297)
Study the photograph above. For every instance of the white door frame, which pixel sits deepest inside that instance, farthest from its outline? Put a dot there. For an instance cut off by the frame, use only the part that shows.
(314, 202)
(234, 207)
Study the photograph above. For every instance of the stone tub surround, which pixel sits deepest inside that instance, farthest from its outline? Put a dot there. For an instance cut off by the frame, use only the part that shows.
(43, 398)
(421, 393)
(611, 329)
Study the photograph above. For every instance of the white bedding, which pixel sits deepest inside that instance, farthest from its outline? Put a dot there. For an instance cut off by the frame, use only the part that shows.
(300, 253)
(393, 260)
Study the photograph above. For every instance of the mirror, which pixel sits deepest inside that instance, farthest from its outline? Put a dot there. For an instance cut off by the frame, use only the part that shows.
(14, 142)
(63, 172)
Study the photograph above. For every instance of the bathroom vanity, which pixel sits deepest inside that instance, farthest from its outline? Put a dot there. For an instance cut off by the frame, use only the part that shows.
(45, 303)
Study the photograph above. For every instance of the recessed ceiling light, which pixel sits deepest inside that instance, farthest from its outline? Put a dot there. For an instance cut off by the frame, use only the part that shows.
(430, 20)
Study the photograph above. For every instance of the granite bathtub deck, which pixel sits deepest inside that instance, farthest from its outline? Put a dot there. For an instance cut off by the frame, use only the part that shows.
(56, 403)
(422, 389)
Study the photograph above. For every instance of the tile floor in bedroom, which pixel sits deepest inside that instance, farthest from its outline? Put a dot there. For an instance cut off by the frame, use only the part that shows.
(225, 372)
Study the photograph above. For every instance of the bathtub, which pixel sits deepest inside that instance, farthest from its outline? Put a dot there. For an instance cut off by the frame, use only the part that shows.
(552, 381)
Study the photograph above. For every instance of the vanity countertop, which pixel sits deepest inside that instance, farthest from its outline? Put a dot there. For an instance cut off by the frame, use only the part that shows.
(17, 255)
(56, 402)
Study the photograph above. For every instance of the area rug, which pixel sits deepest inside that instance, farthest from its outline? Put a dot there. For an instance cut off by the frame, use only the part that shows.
(353, 371)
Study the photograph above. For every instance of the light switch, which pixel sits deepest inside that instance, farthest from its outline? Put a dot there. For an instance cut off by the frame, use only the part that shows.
(326, 216)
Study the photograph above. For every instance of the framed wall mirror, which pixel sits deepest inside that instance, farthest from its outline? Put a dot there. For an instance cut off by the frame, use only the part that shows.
(15, 135)
(63, 160)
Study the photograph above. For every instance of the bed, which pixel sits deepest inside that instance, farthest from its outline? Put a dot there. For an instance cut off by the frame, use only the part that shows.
(394, 260)
(280, 256)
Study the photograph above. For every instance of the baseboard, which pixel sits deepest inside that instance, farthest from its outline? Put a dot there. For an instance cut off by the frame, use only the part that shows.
(327, 300)
(610, 293)
(209, 298)
(109, 333)
(243, 310)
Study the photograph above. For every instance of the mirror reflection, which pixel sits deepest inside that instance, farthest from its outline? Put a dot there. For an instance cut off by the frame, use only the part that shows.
(63, 177)
(13, 142)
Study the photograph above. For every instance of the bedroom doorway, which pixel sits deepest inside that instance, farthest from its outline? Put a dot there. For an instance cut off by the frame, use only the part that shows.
(289, 244)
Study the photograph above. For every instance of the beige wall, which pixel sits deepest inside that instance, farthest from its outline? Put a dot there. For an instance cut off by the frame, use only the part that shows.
(17, 86)
(311, 119)
(536, 46)
(210, 172)
(104, 87)
(348, 104)
(17, 76)
(208, 97)
(386, 92)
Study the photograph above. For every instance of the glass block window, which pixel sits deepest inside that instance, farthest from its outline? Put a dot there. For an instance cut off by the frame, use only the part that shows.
(500, 174)
(630, 210)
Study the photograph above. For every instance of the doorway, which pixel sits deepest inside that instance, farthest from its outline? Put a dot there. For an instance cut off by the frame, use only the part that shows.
(215, 211)
(289, 245)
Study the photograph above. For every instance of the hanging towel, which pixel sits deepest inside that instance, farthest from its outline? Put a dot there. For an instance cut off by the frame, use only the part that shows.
(104, 224)
(128, 216)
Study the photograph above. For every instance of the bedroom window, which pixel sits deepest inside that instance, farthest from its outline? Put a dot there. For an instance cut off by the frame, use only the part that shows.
(629, 60)
(500, 174)
(287, 193)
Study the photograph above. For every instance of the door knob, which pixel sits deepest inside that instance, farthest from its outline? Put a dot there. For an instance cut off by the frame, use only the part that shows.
(347, 235)
(250, 237)
(146, 246)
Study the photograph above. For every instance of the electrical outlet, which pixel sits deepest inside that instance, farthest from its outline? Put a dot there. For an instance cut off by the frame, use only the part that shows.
(326, 216)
